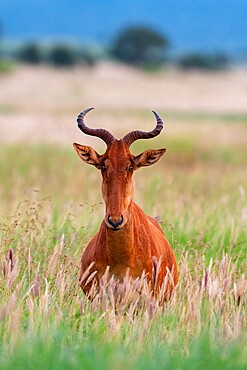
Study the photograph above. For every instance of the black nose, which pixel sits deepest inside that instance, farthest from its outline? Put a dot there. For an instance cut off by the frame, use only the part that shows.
(115, 224)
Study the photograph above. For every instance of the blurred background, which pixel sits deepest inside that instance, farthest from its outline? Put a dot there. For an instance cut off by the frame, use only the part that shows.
(123, 57)
(185, 59)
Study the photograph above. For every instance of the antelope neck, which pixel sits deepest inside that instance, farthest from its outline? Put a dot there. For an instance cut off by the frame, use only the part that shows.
(120, 243)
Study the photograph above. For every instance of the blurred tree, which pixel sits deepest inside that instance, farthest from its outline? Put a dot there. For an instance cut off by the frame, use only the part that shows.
(203, 61)
(5, 65)
(30, 53)
(140, 45)
(62, 55)
(1, 37)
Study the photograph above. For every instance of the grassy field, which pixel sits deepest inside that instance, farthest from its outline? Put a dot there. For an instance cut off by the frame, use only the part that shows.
(51, 206)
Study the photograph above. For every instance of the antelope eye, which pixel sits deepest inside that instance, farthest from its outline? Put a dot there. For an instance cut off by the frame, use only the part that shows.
(103, 167)
(131, 168)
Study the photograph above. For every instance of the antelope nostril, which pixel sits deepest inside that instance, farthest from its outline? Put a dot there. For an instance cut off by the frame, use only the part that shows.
(115, 224)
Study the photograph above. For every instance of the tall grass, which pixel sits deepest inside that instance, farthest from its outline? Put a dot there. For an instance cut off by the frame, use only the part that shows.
(50, 208)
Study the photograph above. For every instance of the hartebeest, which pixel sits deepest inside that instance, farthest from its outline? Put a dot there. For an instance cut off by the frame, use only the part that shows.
(128, 241)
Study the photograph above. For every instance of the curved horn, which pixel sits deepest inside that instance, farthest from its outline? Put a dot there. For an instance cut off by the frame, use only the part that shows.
(136, 135)
(103, 134)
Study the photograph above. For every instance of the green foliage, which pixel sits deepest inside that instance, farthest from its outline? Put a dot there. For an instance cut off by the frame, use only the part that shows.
(59, 55)
(5, 66)
(203, 61)
(30, 53)
(67, 56)
(62, 351)
(62, 56)
(140, 46)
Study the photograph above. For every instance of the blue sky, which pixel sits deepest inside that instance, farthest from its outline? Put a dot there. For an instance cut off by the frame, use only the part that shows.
(189, 24)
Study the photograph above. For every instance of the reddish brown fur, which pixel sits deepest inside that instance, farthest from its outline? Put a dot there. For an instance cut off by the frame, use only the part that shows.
(138, 243)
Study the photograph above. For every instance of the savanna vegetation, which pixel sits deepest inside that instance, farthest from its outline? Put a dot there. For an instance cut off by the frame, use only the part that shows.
(51, 206)
(137, 45)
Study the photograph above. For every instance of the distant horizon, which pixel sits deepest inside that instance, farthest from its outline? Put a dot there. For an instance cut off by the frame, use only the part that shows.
(191, 26)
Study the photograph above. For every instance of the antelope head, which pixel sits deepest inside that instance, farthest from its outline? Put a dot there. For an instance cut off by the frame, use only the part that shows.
(117, 165)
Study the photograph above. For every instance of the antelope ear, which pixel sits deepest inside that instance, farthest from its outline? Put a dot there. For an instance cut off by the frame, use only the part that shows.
(148, 157)
(87, 154)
